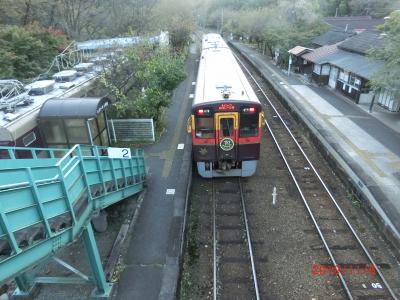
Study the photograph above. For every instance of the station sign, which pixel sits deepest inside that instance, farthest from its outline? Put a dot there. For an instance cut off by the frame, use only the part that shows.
(119, 152)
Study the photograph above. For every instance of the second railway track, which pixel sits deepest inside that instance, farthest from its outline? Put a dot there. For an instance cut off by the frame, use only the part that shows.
(234, 272)
(357, 270)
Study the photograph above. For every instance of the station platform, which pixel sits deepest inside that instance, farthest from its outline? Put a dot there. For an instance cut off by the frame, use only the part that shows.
(152, 260)
(365, 145)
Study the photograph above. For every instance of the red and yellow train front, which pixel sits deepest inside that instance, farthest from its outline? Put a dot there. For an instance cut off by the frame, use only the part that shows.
(225, 136)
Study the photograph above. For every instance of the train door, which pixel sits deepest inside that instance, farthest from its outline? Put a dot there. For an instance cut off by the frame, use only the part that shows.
(226, 127)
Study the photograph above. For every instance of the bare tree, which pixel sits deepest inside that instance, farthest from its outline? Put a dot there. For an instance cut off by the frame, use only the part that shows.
(76, 15)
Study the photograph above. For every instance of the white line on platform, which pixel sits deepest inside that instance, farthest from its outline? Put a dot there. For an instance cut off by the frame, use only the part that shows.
(191, 96)
(180, 146)
(194, 83)
(170, 192)
(281, 82)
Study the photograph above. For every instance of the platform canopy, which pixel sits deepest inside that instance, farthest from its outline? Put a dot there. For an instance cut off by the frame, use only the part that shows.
(73, 108)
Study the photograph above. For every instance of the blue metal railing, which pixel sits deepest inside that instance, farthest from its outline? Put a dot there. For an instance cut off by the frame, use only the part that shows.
(46, 201)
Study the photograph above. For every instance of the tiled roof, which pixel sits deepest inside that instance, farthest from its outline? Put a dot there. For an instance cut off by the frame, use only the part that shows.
(355, 23)
(321, 55)
(362, 42)
(357, 64)
(351, 62)
(331, 37)
(298, 50)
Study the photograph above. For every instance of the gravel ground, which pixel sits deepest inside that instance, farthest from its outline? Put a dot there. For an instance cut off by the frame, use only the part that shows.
(75, 255)
(286, 243)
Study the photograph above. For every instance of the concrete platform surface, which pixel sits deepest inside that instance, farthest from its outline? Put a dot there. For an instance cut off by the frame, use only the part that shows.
(367, 146)
(152, 261)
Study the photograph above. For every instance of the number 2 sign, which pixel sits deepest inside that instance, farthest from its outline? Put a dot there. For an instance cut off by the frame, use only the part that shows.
(119, 152)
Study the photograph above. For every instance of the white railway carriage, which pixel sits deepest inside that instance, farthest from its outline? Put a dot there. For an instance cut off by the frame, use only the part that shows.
(226, 120)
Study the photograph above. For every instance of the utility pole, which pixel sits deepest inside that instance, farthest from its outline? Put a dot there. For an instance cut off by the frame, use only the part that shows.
(222, 21)
(372, 101)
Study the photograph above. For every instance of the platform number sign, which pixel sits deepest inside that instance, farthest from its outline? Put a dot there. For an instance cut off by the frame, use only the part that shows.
(119, 152)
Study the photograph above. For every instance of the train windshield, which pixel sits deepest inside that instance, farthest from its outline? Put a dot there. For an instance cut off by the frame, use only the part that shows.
(248, 125)
(204, 127)
(226, 125)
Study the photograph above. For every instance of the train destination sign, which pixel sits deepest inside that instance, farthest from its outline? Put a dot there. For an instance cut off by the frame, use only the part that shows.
(226, 106)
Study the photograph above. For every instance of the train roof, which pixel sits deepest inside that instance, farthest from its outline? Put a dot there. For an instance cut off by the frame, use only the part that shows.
(213, 40)
(21, 111)
(219, 74)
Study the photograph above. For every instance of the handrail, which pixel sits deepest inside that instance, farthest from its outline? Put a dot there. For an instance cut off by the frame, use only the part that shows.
(62, 205)
(56, 177)
(26, 183)
(33, 148)
(67, 154)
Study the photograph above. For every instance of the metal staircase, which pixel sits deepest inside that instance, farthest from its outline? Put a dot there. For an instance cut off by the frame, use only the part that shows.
(46, 202)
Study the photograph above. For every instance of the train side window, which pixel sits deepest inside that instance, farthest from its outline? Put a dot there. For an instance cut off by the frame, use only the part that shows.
(77, 131)
(248, 125)
(54, 131)
(29, 139)
(205, 127)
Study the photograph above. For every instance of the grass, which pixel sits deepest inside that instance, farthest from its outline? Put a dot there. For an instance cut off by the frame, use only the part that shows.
(191, 255)
(355, 200)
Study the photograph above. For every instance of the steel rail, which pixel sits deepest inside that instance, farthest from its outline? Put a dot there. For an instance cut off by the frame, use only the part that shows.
(344, 284)
(214, 244)
(366, 252)
(253, 266)
(249, 244)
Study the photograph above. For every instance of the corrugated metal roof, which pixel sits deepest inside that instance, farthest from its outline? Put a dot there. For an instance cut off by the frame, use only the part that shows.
(298, 50)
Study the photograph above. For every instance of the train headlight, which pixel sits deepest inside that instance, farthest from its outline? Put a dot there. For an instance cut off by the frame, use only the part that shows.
(203, 112)
(249, 110)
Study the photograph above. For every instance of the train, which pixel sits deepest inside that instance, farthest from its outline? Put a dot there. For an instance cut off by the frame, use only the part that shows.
(226, 117)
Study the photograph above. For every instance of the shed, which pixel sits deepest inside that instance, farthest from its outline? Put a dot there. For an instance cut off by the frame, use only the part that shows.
(300, 65)
(69, 121)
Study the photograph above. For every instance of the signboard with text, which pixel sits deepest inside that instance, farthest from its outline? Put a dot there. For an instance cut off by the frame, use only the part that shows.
(119, 152)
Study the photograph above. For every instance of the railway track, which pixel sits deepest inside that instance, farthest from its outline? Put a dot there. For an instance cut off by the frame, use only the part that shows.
(359, 274)
(234, 273)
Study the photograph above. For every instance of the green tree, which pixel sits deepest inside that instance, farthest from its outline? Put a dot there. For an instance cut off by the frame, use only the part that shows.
(28, 51)
(153, 74)
(388, 77)
(282, 25)
(375, 8)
